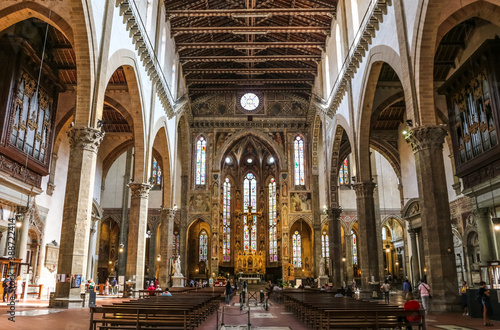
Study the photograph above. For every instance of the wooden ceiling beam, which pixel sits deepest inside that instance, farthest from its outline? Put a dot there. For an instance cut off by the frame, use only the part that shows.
(265, 88)
(247, 82)
(250, 59)
(249, 29)
(244, 13)
(248, 45)
(245, 71)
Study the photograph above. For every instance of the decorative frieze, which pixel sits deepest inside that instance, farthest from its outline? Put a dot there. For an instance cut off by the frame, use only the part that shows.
(19, 172)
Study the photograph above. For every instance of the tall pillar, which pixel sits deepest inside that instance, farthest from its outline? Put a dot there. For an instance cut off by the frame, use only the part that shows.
(122, 256)
(166, 240)
(335, 245)
(415, 268)
(316, 223)
(367, 240)
(137, 225)
(348, 258)
(485, 235)
(378, 217)
(427, 144)
(183, 226)
(23, 211)
(152, 253)
(84, 143)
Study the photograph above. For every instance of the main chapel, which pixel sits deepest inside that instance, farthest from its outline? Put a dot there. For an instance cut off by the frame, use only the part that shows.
(310, 141)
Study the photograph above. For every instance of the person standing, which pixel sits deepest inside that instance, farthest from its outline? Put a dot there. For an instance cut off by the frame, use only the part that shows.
(385, 288)
(406, 288)
(425, 292)
(228, 291)
(484, 295)
(19, 288)
(106, 287)
(114, 285)
(5, 284)
(463, 297)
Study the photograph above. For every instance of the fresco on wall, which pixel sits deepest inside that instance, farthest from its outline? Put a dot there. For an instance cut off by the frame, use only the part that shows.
(199, 203)
(300, 202)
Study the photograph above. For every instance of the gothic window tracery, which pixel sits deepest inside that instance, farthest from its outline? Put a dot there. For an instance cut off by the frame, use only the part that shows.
(201, 148)
(250, 199)
(203, 253)
(273, 244)
(299, 171)
(226, 221)
(297, 250)
(156, 174)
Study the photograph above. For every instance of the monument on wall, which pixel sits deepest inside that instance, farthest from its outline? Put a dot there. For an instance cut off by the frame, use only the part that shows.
(323, 278)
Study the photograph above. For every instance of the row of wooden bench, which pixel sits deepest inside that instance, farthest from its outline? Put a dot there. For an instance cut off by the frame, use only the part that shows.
(325, 311)
(179, 311)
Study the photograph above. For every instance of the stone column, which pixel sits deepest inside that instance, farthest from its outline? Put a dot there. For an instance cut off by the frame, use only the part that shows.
(122, 256)
(348, 258)
(427, 144)
(166, 240)
(316, 224)
(152, 253)
(378, 217)
(137, 225)
(367, 242)
(3, 243)
(84, 143)
(334, 233)
(415, 268)
(183, 225)
(421, 258)
(25, 215)
(92, 246)
(485, 235)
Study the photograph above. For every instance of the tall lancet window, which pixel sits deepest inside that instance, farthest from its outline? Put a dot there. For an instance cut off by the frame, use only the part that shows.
(203, 246)
(273, 243)
(297, 250)
(354, 248)
(344, 172)
(226, 222)
(298, 145)
(325, 245)
(250, 199)
(176, 244)
(201, 156)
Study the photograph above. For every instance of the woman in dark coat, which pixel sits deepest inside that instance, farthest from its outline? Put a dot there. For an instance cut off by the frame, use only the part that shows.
(229, 290)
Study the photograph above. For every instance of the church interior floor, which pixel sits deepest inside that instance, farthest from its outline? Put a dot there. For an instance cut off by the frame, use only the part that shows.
(34, 314)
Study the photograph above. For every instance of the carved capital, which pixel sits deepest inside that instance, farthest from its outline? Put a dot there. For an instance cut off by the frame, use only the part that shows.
(86, 138)
(139, 190)
(50, 188)
(334, 213)
(426, 137)
(168, 214)
(364, 189)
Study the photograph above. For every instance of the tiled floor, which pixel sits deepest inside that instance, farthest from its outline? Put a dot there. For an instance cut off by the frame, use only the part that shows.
(35, 315)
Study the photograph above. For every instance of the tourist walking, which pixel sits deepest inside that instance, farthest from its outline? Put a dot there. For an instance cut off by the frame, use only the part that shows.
(425, 293)
(385, 288)
(114, 285)
(406, 288)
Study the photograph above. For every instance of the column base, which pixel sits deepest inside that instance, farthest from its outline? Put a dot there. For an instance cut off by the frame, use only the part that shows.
(69, 303)
(440, 305)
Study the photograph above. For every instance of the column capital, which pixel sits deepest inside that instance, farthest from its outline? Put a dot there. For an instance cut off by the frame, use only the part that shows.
(426, 137)
(22, 210)
(139, 190)
(86, 138)
(364, 189)
(334, 212)
(168, 213)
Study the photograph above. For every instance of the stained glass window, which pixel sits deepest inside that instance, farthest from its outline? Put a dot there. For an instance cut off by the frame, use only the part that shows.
(226, 222)
(250, 199)
(201, 149)
(325, 245)
(384, 233)
(155, 174)
(298, 144)
(354, 248)
(249, 101)
(203, 246)
(175, 245)
(344, 172)
(297, 250)
(273, 243)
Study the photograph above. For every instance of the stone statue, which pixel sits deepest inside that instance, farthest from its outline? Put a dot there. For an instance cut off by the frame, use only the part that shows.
(177, 266)
(322, 267)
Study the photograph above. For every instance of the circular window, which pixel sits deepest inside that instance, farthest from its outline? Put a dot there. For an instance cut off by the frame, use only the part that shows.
(270, 160)
(249, 160)
(249, 101)
(229, 160)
